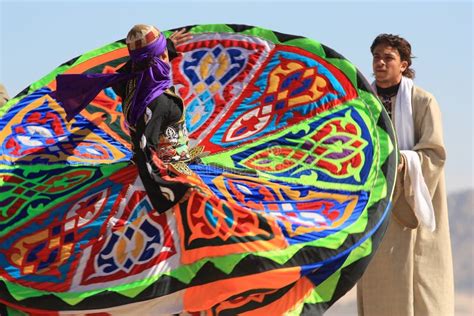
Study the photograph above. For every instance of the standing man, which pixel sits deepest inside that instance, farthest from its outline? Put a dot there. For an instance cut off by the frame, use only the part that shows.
(411, 272)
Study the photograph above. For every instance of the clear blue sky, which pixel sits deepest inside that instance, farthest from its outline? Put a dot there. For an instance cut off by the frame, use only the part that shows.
(37, 36)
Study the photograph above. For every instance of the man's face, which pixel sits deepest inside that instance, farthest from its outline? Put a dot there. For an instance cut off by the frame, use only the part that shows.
(387, 66)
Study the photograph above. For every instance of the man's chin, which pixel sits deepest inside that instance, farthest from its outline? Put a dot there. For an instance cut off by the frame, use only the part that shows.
(380, 78)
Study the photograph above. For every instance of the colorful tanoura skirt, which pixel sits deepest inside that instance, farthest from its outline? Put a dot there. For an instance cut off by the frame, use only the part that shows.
(287, 201)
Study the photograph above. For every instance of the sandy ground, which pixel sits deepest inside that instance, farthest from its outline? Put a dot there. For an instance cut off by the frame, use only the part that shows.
(347, 305)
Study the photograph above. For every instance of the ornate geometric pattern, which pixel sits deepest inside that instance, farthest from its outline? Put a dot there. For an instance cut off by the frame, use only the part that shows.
(293, 178)
(211, 73)
(336, 148)
(130, 251)
(29, 192)
(38, 133)
(44, 253)
(210, 227)
(303, 214)
(292, 86)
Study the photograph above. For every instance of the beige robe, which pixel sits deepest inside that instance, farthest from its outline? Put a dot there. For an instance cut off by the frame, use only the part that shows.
(411, 272)
(3, 95)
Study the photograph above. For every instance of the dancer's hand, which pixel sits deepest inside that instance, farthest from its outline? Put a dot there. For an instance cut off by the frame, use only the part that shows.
(181, 36)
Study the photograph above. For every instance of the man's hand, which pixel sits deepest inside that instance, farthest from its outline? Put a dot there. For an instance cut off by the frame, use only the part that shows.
(401, 164)
(181, 36)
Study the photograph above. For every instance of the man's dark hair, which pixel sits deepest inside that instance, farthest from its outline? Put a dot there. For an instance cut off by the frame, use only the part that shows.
(401, 45)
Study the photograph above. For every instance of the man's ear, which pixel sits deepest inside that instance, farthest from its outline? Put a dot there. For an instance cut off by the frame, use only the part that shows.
(404, 65)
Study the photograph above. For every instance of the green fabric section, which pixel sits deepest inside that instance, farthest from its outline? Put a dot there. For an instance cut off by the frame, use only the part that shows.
(132, 291)
(226, 265)
(14, 312)
(346, 67)
(73, 299)
(263, 33)
(371, 101)
(186, 273)
(21, 292)
(207, 28)
(221, 160)
(386, 142)
(4, 109)
(307, 44)
(385, 147)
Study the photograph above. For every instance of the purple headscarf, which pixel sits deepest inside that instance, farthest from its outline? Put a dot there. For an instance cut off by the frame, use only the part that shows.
(75, 91)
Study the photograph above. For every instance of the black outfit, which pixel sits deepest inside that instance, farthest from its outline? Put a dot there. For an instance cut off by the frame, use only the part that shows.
(165, 110)
(386, 95)
(148, 171)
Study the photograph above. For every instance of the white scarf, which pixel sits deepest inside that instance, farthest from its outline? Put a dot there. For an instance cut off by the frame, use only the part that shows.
(405, 129)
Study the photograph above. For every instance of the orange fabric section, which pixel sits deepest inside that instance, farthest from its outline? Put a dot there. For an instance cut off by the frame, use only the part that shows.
(291, 299)
(223, 237)
(203, 297)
